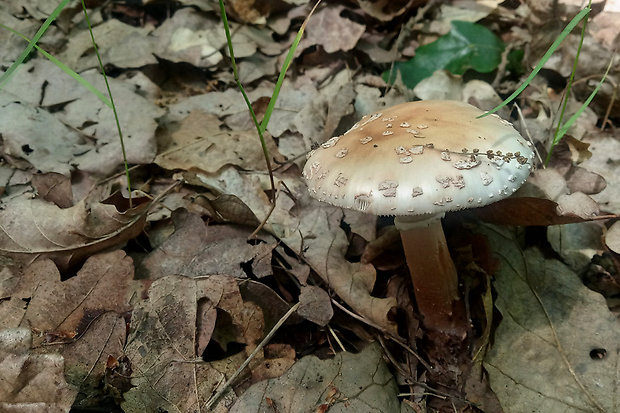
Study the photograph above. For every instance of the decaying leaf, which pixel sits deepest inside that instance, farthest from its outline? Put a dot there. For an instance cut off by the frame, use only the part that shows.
(65, 309)
(162, 344)
(34, 228)
(31, 382)
(87, 357)
(58, 126)
(312, 230)
(347, 383)
(330, 29)
(556, 348)
(385, 9)
(55, 188)
(196, 249)
(315, 305)
(201, 143)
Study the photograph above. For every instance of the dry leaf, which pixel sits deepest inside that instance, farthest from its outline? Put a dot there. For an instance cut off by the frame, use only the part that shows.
(612, 237)
(347, 383)
(55, 188)
(385, 9)
(46, 304)
(556, 348)
(312, 230)
(33, 228)
(330, 29)
(274, 307)
(162, 343)
(31, 382)
(86, 358)
(605, 150)
(577, 243)
(324, 246)
(196, 249)
(529, 211)
(80, 131)
(566, 155)
(201, 143)
(278, 359)
(315, 305)
(543, 200)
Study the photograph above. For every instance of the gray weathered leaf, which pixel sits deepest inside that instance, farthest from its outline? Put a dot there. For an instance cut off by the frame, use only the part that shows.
(556, 349)
(347, 383)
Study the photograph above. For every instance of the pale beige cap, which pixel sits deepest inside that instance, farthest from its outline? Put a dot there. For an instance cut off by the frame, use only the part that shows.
(418, 158)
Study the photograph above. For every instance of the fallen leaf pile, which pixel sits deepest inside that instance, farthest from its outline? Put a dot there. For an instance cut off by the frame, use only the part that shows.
(160, 299)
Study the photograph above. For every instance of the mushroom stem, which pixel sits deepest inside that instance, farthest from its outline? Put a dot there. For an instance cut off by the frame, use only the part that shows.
(434, 276)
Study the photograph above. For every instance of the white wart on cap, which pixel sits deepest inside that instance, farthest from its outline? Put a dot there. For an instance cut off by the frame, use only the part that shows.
(418, 158)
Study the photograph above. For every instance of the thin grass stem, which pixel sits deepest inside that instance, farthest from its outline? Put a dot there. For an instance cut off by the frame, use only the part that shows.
(107, 85)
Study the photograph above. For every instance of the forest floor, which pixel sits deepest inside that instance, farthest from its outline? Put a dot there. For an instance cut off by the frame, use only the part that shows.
(154, 301)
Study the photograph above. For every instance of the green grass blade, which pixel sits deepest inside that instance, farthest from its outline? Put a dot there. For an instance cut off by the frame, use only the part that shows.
(11, 70)
(66, 69)
(583, 13)
(557, 136)
(107, 84)
(260, 128)
(285, 66)
(562, 131)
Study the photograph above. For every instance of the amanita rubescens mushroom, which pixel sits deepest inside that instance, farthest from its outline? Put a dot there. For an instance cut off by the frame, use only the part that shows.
(416, 161)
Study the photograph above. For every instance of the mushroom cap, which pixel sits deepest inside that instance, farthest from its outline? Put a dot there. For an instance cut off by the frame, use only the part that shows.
(418, 158)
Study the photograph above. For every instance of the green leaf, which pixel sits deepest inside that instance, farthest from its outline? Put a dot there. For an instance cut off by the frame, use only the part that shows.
(515, 62)
(467, 46)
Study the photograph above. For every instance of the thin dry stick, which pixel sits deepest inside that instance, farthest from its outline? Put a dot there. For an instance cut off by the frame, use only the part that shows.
(262, 344)
(331, 330)
(387, 333)
(529, 137)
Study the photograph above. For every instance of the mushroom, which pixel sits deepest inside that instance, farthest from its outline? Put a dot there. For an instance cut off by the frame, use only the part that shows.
(416, 161)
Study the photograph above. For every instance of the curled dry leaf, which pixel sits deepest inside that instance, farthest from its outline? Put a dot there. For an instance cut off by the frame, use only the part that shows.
(529, 211)
(31, 382)
(34, 228)
(324, 247)
(55, 188)
(544, 200)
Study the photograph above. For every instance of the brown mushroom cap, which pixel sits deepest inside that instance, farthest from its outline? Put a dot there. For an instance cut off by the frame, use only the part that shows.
(417, 158)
